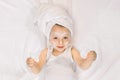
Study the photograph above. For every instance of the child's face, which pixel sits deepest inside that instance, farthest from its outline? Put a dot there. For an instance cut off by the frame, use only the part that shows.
(60, 38)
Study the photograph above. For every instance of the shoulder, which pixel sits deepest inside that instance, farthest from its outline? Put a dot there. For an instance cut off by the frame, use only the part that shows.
(44, 51)
(75, 54)
(74, 50)
(43, 56)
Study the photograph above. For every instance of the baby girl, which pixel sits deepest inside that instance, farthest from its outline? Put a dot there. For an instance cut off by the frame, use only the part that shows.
(60, 57)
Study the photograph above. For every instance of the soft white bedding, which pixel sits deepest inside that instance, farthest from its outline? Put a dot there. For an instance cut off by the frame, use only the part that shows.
(96, 27)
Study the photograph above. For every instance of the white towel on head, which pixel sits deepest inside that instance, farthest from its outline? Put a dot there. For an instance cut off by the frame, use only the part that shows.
(50, 15)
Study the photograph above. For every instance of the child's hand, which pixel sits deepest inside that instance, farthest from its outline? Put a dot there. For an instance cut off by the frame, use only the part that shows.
(31, 62)
(92, 55)
(33, 65)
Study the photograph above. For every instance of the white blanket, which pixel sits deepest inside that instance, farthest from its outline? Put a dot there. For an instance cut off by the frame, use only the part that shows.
(96, 25)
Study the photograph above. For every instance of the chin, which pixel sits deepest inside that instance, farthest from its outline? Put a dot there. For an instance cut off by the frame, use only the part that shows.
(60, 50)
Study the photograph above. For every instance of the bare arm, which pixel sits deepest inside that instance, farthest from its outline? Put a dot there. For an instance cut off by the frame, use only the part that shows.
(83, 63)
(37, 66)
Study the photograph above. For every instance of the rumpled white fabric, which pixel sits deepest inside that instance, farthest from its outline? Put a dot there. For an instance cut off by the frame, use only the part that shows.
(98, 19)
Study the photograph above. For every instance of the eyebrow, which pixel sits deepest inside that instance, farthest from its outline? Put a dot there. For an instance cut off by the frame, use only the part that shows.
(62, 34)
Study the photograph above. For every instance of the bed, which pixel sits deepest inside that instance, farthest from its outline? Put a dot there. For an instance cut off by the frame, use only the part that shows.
(96, 27)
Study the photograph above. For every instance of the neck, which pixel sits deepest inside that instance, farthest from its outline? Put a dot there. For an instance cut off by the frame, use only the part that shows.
(56, 52)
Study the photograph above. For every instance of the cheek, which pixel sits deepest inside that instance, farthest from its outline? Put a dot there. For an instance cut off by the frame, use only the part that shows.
(53, 42)
(67, 42)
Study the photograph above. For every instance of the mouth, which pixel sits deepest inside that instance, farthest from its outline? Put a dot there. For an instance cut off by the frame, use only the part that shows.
(60, 46)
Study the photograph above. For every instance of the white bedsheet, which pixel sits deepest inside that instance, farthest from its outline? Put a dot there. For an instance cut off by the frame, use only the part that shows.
(96, 27)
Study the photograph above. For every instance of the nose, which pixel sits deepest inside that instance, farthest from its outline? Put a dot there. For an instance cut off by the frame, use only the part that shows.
(61, 42)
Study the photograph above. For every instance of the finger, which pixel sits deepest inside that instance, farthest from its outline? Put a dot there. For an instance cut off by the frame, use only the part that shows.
(30, 61)
(30, 65)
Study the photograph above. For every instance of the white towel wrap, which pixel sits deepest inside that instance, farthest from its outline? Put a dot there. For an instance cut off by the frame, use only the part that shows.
(50, 15)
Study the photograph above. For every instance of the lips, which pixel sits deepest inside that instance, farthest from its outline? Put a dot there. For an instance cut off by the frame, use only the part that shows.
(60, 46)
